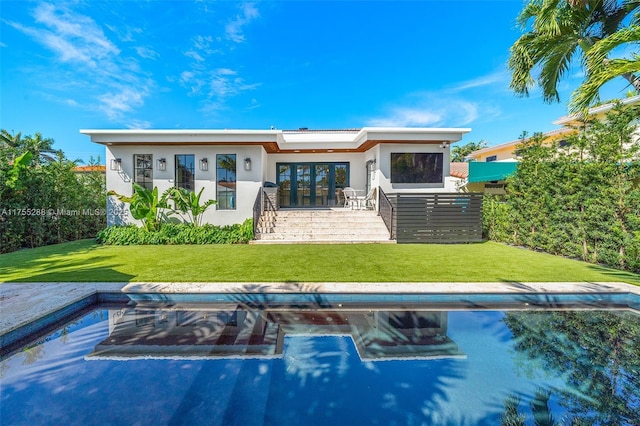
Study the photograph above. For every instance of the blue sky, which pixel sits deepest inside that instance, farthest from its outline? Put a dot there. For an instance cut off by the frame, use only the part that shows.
(288, 64)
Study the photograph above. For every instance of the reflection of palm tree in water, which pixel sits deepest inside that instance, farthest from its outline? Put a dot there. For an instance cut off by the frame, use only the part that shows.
(228, 163)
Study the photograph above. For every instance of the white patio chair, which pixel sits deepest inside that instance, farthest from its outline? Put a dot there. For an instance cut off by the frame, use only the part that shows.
(370, 199)
(350, 197)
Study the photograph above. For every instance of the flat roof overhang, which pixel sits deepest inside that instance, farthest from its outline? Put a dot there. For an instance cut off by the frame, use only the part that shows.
(279, 141)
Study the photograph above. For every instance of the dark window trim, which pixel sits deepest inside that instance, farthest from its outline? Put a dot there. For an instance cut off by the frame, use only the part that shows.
(187, 183)
(412, 175)
(231, 190)
(145, 182)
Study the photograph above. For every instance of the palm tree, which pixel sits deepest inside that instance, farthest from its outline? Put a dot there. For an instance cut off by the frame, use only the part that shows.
(40, 148)
(10, 141)
(601, 69)
(559, 31)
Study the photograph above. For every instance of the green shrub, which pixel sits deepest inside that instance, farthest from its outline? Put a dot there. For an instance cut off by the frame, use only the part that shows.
(581, 200)
(178, 233)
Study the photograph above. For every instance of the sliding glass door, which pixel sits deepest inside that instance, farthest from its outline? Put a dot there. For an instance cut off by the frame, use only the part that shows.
(311, 184)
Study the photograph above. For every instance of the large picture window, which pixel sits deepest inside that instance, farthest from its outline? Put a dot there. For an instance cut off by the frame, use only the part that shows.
(226, 181)
(185, 171)
(415, 167)
(143, 170)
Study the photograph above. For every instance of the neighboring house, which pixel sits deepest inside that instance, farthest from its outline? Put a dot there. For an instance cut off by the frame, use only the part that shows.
(309, 167)
(83, 170)
(489, 167)
(508, 151)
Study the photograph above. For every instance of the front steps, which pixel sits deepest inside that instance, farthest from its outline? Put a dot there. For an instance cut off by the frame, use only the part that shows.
(325, 226)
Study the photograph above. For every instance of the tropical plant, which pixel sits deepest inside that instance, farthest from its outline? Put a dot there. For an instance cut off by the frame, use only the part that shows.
(558, 31)
(581, 200)
(146, 205)
(178, 233)
(187, 203)
(601, 69)
(20, 164)
(540, 411)
(460, 153)
(44, 201)
(595, 352)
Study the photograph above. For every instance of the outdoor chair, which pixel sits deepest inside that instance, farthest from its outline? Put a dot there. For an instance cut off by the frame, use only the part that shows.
(370, 199)
(339, 197)
(350, 197)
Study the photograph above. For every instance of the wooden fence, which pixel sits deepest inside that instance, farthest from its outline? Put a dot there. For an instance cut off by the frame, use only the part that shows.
(438, 218)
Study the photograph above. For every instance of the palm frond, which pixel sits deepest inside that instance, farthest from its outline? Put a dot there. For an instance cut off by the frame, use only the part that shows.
(530, 50)
(555, 66)
(588, 92)
(599, 52)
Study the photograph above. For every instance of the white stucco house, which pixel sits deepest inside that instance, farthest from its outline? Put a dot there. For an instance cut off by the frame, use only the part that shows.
(309, 167)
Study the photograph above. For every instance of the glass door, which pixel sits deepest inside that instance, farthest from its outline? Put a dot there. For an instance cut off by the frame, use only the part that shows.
(321, 189)
(311, 184)
(284, 181)
(303, 185)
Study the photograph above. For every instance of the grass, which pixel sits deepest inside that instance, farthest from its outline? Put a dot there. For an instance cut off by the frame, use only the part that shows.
(486, 262)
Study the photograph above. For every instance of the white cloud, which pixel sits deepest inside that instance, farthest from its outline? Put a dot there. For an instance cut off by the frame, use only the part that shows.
(499, 77)
(121, 102)
(138, 124)
(147, 53)
(234, 28)
(407, 117)
(435, 110)
(447, 107)
(88, 62)
(73, 36)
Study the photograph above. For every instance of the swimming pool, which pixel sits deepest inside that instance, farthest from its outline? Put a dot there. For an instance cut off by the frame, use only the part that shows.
(370, 360)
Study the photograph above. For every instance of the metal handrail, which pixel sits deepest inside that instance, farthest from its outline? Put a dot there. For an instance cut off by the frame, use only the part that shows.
(257, 211)
(387, 212)
(262, 204)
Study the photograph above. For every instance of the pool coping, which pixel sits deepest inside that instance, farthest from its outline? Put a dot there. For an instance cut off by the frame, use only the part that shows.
(25, 303)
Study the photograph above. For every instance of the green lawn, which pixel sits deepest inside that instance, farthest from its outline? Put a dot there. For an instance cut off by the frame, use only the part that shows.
(486, 262)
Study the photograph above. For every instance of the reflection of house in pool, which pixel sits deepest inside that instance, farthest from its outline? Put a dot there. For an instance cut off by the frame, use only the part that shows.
(224, 331)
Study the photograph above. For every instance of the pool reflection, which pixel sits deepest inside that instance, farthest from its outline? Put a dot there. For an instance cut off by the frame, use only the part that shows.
(229, 330)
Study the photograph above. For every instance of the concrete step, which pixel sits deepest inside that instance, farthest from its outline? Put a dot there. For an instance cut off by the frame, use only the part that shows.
(322, 226)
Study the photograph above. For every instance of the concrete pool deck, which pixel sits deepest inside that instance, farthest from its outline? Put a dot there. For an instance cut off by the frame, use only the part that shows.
(24, 303)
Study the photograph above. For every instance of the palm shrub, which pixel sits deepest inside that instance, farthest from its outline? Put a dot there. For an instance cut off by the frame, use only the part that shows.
(146, 205)
(187, 203)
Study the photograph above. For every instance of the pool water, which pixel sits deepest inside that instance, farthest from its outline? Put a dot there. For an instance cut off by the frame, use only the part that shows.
(230, 364)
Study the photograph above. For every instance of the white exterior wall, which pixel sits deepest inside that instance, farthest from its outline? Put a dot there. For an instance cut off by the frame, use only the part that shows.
(383, 175)
(263, 168)
(248, 182)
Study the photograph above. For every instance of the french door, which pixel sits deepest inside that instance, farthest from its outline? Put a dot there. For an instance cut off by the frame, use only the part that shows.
(311, 184)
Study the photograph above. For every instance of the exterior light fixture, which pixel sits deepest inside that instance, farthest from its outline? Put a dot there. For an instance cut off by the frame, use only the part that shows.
(116, 164)
(247, 164)
(162, 164)
(204, 164)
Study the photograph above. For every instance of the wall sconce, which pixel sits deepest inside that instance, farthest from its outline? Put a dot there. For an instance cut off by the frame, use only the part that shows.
(116, 164)
(444, 145)
(247, 164)
(162, 164)
(204, 164)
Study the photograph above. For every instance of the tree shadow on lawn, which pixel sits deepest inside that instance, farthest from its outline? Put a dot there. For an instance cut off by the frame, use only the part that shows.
(618, 275)
(62, 266)
(85, 274)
